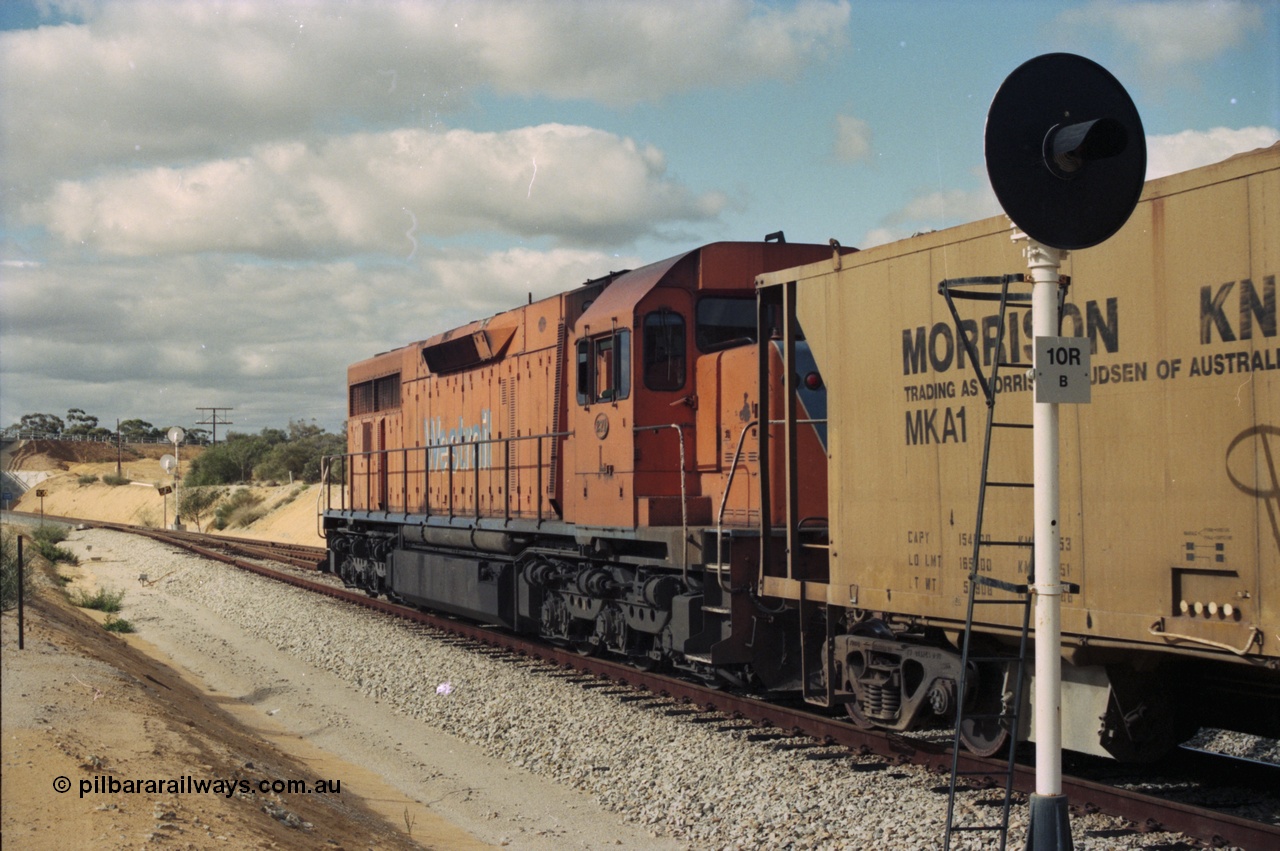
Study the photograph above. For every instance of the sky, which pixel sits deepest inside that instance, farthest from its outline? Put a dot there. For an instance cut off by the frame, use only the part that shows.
(223, 204)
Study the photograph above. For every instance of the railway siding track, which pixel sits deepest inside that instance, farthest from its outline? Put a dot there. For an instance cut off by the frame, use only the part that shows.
(789, 727)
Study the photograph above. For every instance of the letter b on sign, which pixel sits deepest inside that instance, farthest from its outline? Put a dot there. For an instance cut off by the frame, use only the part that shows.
(1062, 370)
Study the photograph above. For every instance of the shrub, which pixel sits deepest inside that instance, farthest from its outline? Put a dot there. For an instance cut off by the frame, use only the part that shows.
(101, 600)
(293, 494)
(236, 508)
(9, 571)
(194, 503)
(115, 624)
(46, 540)
(50, 533)
(87, 479)
(114, 480)
(248, 517)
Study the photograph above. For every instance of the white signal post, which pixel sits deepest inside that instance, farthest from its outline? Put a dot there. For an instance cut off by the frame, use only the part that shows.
(1044, 264)
(1067, 157)
(176, 436)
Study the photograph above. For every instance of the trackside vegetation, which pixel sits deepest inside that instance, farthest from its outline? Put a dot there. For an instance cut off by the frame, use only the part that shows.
(9, 570)
(271, 456)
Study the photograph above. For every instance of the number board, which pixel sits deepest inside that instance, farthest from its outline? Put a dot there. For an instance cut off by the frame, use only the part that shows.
(1062, 370)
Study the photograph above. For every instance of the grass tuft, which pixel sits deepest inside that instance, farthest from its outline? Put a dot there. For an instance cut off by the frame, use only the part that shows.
(102, 600)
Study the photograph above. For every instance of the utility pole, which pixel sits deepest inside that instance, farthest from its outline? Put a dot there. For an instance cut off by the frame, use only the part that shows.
(213, 420)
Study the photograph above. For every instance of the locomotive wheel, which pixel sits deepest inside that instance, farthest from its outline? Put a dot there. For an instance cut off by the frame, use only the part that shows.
(643, 663)
(980, 732)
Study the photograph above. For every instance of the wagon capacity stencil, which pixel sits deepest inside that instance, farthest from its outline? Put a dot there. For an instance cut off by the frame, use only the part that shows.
(1062, 370)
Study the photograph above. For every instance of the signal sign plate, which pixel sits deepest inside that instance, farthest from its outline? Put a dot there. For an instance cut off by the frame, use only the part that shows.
(1062, 370)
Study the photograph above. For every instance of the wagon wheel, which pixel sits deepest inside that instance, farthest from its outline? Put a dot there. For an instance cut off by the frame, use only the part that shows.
(984, 729)
(854, 711)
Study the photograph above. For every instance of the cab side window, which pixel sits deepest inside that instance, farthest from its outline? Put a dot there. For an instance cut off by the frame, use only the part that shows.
(664, 350)
(725, 322)
(604, 368)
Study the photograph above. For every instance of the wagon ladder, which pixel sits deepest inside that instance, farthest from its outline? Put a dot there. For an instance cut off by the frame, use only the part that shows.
(995, 704)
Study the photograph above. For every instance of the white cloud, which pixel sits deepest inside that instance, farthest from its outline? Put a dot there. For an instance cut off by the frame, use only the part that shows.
(1166, 37)
(382, 192)
(1194, 148)
(933, 210)
(853, 139)
(486, 283)
(148, 81)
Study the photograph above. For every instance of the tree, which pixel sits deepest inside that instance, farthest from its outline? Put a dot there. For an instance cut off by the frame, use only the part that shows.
(215, 466)
(197, 436)
(78, 422)
(300, 457)
(196, 502)
(42, 424)
(231, 461)
(139, 431)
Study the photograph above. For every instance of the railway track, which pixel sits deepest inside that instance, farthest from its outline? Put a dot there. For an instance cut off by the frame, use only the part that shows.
(1147, 811)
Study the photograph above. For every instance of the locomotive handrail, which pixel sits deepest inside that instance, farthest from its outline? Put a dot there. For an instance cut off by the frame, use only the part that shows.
(450, 508)
(724, 499)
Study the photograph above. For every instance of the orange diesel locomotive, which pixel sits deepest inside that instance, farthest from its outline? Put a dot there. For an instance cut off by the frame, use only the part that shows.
(581, 466)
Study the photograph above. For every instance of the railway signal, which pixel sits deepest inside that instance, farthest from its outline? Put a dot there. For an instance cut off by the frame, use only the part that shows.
(172, 464)
(1067, 158)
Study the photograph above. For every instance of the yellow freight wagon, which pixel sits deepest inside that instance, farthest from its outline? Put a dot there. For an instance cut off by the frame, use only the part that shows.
(1170, 476)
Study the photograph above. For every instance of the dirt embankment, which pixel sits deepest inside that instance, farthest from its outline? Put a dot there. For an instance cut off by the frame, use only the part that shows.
(76, 486)
(82, 708)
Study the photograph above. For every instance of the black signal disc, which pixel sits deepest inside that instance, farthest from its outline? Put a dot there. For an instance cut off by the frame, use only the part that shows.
(1091, 199)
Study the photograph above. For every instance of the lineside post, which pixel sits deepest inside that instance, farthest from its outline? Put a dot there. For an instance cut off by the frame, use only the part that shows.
(21, 598)
(1049, 828)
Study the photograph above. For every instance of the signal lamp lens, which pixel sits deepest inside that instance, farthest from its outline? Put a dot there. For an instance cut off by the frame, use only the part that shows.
(813, 381)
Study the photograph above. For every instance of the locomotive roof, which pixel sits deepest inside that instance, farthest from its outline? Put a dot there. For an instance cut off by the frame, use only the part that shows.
(622, 294)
